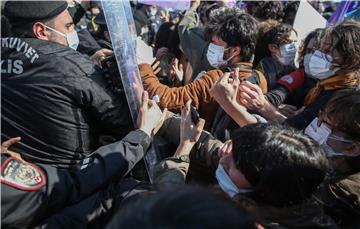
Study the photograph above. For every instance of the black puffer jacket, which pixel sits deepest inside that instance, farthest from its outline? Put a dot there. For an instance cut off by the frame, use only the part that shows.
(57, 100)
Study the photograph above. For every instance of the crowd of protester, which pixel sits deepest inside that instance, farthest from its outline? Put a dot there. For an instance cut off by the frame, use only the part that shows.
(252, 126)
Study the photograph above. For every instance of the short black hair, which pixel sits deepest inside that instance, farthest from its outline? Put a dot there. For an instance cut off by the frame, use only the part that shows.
(283, 165)
(187, 207)
(290, 11)
(264, 10)
(235, 28)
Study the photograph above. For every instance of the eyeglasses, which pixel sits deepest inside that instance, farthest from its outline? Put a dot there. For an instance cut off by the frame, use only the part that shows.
(322, 119)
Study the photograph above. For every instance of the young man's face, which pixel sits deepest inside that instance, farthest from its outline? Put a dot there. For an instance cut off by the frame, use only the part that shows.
(229, 52)
(233, 172)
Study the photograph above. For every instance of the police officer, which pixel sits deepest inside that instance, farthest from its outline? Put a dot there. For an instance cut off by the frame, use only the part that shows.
(31, 193)
(102, 33)
(52, 96)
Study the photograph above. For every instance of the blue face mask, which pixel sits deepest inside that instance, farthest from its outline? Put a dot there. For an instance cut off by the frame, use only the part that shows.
(226, 184)
(287, 54)
(318, 65)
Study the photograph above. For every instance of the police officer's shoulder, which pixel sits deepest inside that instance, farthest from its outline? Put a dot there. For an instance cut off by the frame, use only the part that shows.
(20, 174)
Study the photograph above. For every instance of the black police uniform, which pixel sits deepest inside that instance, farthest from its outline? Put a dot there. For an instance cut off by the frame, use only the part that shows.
(32, 193)
(52, 96)
(57, 100)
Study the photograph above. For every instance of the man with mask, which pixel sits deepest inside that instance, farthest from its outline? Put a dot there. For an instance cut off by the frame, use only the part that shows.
(252, 174)
(56, 99)
(230, 50)
(192, 37)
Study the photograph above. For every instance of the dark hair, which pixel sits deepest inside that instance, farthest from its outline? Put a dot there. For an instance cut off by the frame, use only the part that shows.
(317, 34)
(167, 36)
(277, 35)
(346, 40)
(267, 10)
(206, 8)
(290, 11)
(283, 165)
(235, 28)
(343, 111)
(184, 208)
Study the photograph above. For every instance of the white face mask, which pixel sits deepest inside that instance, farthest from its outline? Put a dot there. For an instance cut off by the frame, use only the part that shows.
(321, 134)
(215, 55)
(287, 54)
(307, 58)
(71, 38)
(226, 184)
(319, 66)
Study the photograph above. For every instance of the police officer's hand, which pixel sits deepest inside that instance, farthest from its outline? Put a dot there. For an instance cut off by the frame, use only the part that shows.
(99, 55)
(5, 146)
(189, 132)
(150, 118)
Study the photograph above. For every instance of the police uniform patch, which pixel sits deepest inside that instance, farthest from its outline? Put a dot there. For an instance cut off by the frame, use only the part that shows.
(21, 175)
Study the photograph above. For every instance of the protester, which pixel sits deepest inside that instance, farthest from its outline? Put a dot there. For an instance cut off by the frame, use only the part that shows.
(253, 175)
(337, 130)
(193, 42)
(264, 10)
(173, 62)
(184, 208)
(230, 49)
(333, 67)
(286, 88)
(290, 11)
(275, 53)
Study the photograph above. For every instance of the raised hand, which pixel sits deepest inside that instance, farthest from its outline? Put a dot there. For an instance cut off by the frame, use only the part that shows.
(225, 90)
(150, 118)
(189, 133)
(251, 96)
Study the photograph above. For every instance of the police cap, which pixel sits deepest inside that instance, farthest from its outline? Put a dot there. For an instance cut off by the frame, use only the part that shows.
(23, 12)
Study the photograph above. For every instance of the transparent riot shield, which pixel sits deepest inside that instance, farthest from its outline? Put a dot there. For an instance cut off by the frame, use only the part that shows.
(121, 27)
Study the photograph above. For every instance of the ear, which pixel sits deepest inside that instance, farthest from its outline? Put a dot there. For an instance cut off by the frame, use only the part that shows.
(39, 30)
(273, 49)
(353, 149)
(236, 51)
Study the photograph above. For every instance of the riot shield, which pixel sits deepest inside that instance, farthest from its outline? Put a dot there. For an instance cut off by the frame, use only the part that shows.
(121, 25)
